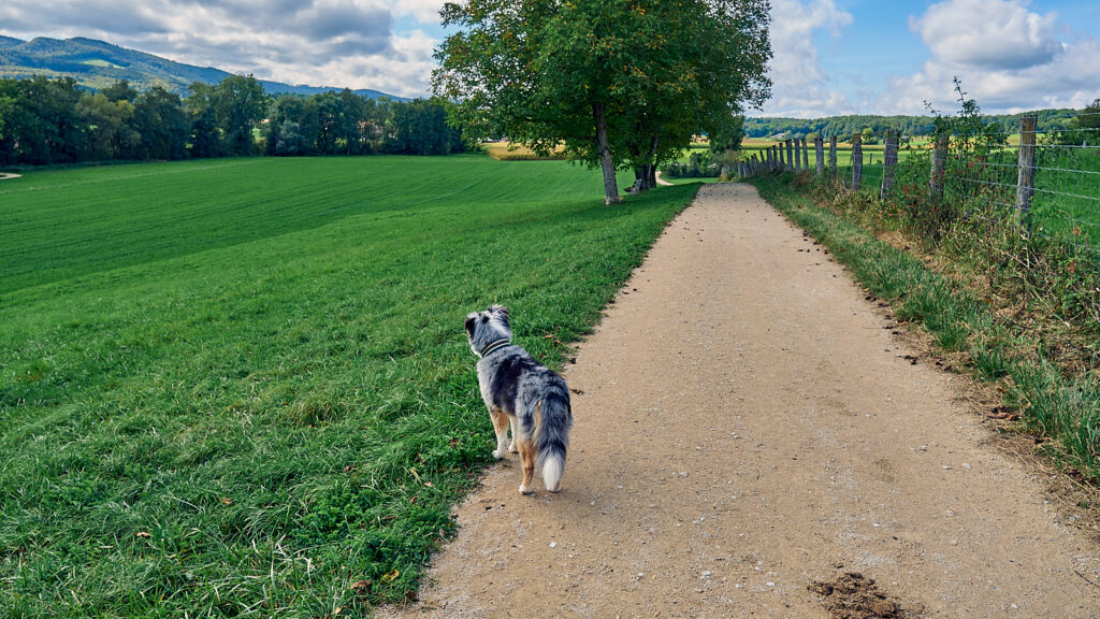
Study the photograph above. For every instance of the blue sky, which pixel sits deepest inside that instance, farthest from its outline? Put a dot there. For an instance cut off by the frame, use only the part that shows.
(877, 57)
(831, 56)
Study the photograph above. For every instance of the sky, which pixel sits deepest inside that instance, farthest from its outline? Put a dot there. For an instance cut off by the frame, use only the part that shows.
(831, 57)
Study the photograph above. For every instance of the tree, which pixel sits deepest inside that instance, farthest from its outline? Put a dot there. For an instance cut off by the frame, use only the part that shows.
(617, 83)
(160, 119)
(868, 136)
(239, 104)
(107, 126)
(205, 135)
(120, 91)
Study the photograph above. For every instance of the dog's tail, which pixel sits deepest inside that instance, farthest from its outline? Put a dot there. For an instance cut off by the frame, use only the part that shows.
(554, 417)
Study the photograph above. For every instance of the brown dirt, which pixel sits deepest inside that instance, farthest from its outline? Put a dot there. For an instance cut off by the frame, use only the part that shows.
(748, 426)
(853, 596)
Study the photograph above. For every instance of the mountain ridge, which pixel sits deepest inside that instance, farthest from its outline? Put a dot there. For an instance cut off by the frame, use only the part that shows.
(97, 64)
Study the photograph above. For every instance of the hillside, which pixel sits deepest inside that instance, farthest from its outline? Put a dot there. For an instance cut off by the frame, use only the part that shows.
(96, 64)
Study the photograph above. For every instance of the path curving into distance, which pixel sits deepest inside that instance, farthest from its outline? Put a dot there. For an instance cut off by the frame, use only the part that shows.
(5, 176)
(749, 426)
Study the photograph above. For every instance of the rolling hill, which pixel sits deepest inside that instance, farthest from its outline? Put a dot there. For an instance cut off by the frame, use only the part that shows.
(97, 64)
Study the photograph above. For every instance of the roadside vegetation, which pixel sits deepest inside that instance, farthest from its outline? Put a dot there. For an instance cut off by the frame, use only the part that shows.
(241, 388)
(1017, 310)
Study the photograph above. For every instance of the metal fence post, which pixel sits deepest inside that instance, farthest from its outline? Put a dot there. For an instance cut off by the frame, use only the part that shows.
(1025, 180)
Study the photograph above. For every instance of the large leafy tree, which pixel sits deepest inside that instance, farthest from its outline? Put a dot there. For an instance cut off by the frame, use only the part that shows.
(164, 127)
(239, 103)
(618, 83)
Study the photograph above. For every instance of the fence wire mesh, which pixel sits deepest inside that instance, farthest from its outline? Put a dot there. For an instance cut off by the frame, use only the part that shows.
(1053, 187)
(1058, 193)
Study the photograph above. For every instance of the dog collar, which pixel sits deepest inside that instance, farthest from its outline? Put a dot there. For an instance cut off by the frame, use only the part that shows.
(493, 347)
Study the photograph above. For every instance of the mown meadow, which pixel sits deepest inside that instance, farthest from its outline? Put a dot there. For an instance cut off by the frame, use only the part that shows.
(240, 387)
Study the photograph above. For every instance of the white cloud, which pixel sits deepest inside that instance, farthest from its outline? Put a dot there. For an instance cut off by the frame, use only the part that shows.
(341, 43)
(800, 84)
(1008, 59)
(989, 34)
(425, 11)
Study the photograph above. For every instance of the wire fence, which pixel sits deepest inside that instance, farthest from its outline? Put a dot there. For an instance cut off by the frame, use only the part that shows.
(1045, 180)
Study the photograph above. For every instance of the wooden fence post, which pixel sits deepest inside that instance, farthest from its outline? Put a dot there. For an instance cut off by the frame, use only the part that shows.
(857, 162)
(1025, 179)
(790, 155)
(819, 150)
(805, 155)
(782, 159)
(832, 157)
(939, 165)
(889, 163)
(797, 157)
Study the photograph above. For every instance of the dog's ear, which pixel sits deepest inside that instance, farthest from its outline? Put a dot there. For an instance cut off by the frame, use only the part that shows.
(500, 312)
(471, 319)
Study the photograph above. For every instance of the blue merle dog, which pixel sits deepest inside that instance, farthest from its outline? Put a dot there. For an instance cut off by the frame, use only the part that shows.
(523, 394)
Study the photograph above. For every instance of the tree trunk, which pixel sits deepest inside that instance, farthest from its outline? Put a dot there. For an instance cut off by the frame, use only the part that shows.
(610, 184)
(641, 175)
(651, 169)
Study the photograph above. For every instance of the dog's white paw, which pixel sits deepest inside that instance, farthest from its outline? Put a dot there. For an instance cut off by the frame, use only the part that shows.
(512, 449)
(498, 454)
(526, 489)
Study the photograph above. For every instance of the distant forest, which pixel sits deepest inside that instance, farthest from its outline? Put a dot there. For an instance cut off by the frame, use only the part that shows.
(56, 121)
(909, 126)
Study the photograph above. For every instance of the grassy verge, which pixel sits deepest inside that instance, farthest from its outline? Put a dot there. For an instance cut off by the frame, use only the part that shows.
(241, 388)
(1052, 399)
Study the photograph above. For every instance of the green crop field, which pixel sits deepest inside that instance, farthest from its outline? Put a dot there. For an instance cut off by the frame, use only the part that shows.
(241, 387)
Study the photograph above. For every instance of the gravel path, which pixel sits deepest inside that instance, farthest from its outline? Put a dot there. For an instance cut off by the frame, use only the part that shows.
(6, 175)
(747, 427)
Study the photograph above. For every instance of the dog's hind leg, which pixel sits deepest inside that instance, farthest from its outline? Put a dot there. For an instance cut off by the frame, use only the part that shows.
(527, 456)
(500, 424)
(512, 446)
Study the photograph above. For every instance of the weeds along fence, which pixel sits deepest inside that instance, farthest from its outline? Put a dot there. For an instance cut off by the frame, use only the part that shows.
(1045, 182)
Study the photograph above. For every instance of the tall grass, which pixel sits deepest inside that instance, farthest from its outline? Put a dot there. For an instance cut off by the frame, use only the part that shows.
(240, 388)
(1049, 377)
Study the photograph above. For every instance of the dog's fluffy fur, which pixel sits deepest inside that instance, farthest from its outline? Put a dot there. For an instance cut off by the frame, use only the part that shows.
(522, 394)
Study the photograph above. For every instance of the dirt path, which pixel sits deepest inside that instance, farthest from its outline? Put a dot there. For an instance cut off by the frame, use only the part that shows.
(662, 182)
(748, 427)
(6, 175)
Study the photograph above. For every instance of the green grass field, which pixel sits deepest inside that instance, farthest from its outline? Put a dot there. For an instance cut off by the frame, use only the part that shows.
(238, 388)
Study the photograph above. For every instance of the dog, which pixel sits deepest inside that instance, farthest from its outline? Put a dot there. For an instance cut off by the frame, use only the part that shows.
(523, 395)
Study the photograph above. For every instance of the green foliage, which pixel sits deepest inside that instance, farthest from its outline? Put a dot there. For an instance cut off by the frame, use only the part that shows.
(1051, 120)
(698, 165)
(51, 121)
(1060, 404)
(275, 401)
(618, 83)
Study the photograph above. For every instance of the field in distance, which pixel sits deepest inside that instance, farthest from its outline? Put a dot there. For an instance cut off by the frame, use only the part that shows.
(242, 387)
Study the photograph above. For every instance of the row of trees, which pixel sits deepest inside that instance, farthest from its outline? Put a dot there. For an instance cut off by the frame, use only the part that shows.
(621, 84)
(1048, 121)
(46, 121)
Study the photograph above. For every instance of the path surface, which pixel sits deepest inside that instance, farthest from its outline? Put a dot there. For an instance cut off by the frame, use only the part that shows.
(747, 427)
(7, 175)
